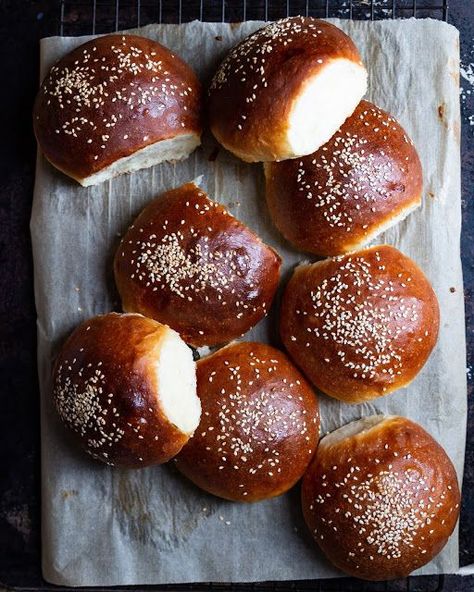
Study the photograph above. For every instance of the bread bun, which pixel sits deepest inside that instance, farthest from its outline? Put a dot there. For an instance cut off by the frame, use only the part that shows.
(259, 425)
(381, 497)
(361, 325)
(285, 90)
(188, 263)
(117, 104)
(365, 179)
(126, 387)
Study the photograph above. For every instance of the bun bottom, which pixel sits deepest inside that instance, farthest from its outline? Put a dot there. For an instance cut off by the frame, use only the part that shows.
(177, 148)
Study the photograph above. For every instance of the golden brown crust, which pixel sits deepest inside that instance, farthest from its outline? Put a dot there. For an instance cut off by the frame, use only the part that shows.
(334, 200)
(110, 97)
(382, 503)
(276, 61)
(259, 424)
(105, 390)
(360, 325)
(188, 263)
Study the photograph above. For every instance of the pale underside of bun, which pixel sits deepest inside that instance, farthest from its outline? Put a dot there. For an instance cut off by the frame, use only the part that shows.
(176, 378)
(327, 99)
(172, 149)
(353, 428)
(379, 230)
(389, 223)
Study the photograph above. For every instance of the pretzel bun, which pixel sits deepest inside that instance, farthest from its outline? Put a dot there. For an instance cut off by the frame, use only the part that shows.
(364, 180)
(125, 386)
(117, 104)
(285, 90)
(188, 263)
(360, 325)
(381, 497)
(259, 426)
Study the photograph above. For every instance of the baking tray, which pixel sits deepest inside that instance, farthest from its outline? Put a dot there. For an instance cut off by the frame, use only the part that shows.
(21, 570)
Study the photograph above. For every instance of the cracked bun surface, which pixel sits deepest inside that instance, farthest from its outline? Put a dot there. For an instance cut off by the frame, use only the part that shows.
(117, 104)
(360, 325)
(285, 89)
(364, 180)
(187, 262)
(259, 425)
(381, 497)
(125, 387)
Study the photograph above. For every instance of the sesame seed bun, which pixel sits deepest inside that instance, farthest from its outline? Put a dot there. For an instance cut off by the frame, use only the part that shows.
(364, 180)
(285, 90)
(125, 387)
(259, 425)
(188, 263)
(381, 497)
(116, 104)
(360, 325)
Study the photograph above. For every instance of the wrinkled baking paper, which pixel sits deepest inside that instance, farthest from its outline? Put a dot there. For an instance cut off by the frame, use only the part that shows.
(103, 526)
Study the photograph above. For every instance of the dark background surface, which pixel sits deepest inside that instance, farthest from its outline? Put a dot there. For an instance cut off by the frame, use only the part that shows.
(22, 24)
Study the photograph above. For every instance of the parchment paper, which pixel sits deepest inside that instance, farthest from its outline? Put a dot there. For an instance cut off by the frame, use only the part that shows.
(105, 527)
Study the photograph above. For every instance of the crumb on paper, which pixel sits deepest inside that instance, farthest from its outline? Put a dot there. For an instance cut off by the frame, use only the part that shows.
(66, 494)
(441, 111)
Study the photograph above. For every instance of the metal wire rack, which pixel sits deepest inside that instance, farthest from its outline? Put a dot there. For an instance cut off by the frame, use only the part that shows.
(85, 17)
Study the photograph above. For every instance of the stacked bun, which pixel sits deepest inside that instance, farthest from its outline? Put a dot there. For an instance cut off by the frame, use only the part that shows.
(379, 495)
